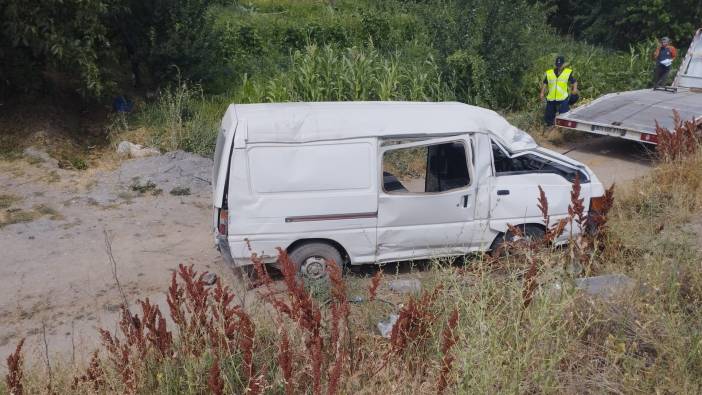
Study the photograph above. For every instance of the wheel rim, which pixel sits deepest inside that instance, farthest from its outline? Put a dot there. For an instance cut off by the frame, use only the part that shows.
(314, 267)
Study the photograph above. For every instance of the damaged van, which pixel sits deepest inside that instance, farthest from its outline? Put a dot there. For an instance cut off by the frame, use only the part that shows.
(375, 182)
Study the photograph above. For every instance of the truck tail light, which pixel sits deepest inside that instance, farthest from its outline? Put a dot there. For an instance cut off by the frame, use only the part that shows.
(649, 138)
(223, 221)
(566, 123)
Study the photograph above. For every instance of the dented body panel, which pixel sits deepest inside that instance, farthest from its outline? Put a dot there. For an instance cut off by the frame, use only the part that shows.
(355, 193)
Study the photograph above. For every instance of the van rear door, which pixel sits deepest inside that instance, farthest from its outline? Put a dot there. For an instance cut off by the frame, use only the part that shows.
(222, 156)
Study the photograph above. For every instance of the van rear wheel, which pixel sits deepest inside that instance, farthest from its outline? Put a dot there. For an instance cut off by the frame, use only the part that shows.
(310, 260)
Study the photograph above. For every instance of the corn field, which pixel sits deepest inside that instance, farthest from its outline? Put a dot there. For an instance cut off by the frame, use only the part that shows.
(352, 74)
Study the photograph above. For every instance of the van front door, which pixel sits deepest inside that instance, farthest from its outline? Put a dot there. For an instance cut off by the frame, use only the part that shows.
(427, 201)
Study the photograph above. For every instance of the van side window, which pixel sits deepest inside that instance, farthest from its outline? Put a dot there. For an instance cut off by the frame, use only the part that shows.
(425, 169)
(503, 163)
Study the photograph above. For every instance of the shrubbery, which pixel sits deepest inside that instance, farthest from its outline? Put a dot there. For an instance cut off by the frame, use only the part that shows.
(483, 52)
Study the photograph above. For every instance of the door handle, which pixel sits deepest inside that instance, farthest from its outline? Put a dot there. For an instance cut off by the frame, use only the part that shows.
(502, 192)
(465, 200)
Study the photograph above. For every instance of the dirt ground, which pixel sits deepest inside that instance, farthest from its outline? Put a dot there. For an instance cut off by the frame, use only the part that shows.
(613, 160)
(56, 281)
(55, 276)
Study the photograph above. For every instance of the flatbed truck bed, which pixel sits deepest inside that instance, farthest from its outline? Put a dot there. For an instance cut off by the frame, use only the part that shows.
(633, 115)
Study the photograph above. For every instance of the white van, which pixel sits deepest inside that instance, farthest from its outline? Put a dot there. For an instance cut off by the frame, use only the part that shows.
(375, 182)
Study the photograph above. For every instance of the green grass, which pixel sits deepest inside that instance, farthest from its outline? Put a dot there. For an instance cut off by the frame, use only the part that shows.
(10, 216)
(6, 201)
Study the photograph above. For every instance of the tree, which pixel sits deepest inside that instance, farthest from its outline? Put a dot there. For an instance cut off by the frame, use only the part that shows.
(159, 34)
(64, 38)
(85, 44)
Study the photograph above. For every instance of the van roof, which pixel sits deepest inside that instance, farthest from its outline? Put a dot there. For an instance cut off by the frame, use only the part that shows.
(306, 122)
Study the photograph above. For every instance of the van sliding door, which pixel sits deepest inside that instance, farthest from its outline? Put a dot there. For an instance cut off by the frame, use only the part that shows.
(426, 200)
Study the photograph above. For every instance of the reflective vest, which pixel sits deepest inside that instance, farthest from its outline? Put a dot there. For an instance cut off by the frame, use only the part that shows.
(558, 85)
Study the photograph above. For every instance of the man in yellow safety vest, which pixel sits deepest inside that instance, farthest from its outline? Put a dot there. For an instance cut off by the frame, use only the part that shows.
(555, 87)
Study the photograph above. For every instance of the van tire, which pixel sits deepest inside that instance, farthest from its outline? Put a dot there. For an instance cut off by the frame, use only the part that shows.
(501, 243)
(310, 258)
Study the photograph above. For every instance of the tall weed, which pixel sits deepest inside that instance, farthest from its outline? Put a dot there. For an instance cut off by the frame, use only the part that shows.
(684, 140)
(183, 118)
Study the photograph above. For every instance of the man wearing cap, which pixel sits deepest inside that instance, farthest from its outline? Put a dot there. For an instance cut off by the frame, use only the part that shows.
(556, 82)
(664, 56)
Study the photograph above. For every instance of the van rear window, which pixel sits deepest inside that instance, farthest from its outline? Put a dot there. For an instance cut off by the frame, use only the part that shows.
(311, 168)
(425, 169)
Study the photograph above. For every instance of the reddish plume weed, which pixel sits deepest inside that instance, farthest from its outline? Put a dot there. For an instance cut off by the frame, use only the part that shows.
(589, 226)
(94, 375)
(15, 371)
(214, 381)
(576, 208)
(285, 361)
(599, 217)
(530, 283)
(207, 321)
(683, 140)
(552, 232)
(448, 340)
(414, 321)
(375, 283)
(298, 305)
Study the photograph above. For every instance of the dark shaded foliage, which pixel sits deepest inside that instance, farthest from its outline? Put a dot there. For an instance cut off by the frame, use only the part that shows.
(619, 23)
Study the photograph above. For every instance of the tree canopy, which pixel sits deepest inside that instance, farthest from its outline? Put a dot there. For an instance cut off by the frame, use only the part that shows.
(623, 22)
(86, 43)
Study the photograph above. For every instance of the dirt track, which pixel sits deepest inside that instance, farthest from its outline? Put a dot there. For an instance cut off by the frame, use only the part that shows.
(54, 270)
(613, 160)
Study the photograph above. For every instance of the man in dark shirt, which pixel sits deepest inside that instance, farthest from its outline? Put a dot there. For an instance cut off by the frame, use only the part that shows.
(555, 89)
(664, 56)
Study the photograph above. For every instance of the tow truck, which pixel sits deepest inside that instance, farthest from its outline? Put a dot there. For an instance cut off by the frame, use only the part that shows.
(633, 115)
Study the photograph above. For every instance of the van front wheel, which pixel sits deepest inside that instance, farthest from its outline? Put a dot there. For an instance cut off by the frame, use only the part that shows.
(310, 260)
(508, 243)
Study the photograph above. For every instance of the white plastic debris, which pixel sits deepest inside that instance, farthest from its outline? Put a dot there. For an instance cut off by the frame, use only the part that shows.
(405, 286)
(126, 149)
(385, 327)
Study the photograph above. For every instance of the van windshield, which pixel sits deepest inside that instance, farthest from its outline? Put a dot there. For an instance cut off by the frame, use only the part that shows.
(530, 163)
